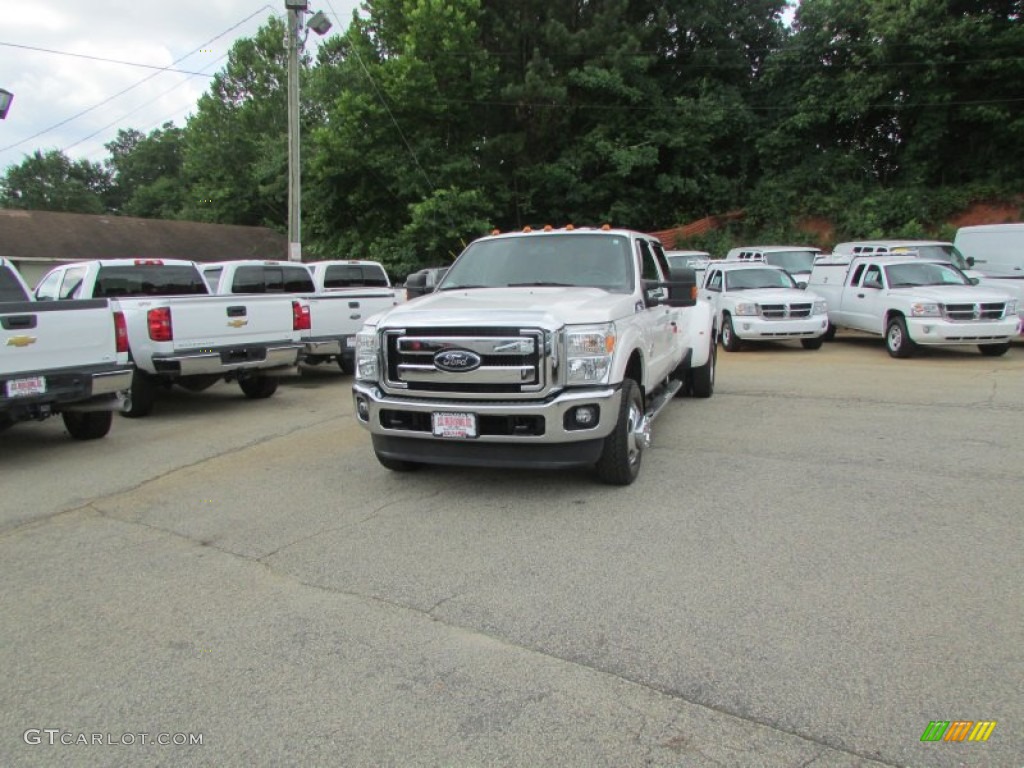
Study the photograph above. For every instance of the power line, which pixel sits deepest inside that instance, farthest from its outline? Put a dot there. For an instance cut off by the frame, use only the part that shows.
(99, 58)
(136, 85)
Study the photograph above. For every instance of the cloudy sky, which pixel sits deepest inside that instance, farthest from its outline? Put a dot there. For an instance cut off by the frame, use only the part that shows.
(78, 104)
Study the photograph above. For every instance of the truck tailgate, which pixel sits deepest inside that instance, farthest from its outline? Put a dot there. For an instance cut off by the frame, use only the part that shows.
(39, 336)
(226, 321)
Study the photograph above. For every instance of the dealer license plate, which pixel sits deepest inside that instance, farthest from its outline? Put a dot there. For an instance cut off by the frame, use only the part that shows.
(34, 385)
(454, 424)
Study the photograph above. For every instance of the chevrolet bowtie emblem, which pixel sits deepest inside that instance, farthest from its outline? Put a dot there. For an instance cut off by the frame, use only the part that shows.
(237, 323)
(21, 341)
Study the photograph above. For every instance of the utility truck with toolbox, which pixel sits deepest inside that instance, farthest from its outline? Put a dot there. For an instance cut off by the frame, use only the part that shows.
(180, 334)
(754, 301)
(913, 301)
(69, 358)
(548, 349)
(340, 296)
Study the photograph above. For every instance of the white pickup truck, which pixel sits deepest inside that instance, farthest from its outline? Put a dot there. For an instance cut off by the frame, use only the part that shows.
(179, 334)
(757, 302)
(546, 349)
(70, 358)
(911, 300)
(340, 295)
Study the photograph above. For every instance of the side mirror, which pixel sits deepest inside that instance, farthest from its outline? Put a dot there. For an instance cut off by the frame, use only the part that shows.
(416, 284)
(682, 288)
(973, 280)
(802, 285)
(970, 261)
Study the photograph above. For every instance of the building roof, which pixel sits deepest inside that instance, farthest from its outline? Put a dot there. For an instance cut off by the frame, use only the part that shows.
(79, 236)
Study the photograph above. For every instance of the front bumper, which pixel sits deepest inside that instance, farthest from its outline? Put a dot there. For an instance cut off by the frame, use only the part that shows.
(222, 361)
(755, 328)
(539, 433)
(936, 330)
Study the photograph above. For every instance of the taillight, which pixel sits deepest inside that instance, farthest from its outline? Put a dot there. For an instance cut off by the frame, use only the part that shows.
(300, 317)
(160, 324)
(120, 332)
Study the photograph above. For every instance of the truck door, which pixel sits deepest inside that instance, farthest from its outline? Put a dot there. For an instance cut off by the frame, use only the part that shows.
(712, 292)
(656, 320)
(862, 297)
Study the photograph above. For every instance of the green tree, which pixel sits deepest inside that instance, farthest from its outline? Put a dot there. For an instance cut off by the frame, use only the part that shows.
(147, 172)
(51, 181)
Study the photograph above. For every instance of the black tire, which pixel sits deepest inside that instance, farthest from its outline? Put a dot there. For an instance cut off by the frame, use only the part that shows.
(830, 333)
(143, 395)
(702, 379)
(397, 465)
(730, 340)
(258, 387)
(622, 453)
(897, 340)
(347, 365)
(89, 425)
(812, 343)
(994, 350)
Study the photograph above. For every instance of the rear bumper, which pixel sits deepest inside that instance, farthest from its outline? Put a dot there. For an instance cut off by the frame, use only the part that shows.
(754, 328)
(330, 346)
(100, 388)
(934, 330)
(226, 360)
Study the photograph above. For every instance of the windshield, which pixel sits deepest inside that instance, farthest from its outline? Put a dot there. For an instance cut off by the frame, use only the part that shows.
(926, 273)
(943, 252)
(791, 261)
(746, 279)
(598, 261)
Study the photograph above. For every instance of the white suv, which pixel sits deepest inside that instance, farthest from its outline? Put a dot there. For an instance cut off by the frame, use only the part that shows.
(753, 301)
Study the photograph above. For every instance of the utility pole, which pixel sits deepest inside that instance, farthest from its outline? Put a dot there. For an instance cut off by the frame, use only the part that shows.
(295, 8)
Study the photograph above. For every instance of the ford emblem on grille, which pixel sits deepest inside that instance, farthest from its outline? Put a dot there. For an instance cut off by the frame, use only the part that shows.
(457, 360)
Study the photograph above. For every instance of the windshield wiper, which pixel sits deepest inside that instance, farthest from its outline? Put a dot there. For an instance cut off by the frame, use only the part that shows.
(541, 285)
(460, 287)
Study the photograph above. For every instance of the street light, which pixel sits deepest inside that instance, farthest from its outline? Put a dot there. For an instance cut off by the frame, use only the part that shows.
(319, 24)
(6, 97)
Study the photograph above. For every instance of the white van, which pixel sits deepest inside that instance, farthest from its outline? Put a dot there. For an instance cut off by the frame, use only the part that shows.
(997, 249)
(795, 259)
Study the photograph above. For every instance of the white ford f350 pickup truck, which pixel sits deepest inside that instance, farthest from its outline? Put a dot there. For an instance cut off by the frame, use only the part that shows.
(340, 295)
(179, 334)
(757, 302)
(69, 358)
(911, 301)
(547, 349)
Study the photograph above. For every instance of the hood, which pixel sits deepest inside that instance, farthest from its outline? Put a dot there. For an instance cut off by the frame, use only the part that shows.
(953, 294)
(548, 308)
(776, 296)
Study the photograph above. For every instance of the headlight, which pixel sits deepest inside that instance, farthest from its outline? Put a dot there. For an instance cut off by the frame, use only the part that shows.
(820, 308)
(1011, 308)
(589, 354)
(922, 309)
(367, 355)
(746, 309)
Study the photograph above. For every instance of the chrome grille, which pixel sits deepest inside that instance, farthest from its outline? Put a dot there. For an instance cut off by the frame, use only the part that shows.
(785, 311)
(511, 360)
(984, 311)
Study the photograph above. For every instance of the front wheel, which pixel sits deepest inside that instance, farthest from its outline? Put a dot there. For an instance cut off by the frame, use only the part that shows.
(623, 448)
(730, 340)
(830, 332)
(258, 387)
(88, 425)
(994, 350)
(812, 343)
(897, 340)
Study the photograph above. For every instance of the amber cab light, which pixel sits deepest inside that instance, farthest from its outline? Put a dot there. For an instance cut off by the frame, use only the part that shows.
(120, 332)
(300, 317)
(159, 321)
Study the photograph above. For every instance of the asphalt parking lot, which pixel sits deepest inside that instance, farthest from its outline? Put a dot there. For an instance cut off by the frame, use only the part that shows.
(813, 566)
